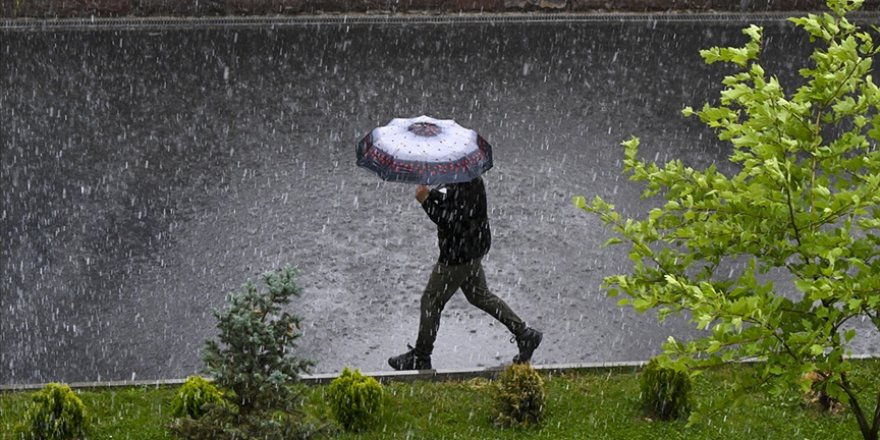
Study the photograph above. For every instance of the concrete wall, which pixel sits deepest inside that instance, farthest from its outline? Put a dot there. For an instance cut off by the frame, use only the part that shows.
(116, 8)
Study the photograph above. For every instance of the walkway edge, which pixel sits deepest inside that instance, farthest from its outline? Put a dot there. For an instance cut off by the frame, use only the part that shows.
(167, 23)
(390, 376)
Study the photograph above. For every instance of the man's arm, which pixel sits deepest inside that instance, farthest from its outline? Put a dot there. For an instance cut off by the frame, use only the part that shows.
(436, 204)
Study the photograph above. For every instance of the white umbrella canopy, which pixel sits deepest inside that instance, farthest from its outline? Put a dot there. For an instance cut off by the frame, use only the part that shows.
(424, 150)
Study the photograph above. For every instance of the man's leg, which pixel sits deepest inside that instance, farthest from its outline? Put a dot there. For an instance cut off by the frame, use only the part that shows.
(442, 284)
(477, 293)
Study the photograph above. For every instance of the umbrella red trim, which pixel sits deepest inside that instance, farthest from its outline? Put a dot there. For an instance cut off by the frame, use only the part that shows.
(388, 168)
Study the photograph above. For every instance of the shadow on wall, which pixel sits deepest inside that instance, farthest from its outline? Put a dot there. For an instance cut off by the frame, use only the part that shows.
(145, 8)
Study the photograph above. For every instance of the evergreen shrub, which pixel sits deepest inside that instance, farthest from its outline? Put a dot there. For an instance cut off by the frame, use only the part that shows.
(355, 400)
(253, 361)
(666, 392)
(57, 413)
(519, 396)
(193, 396)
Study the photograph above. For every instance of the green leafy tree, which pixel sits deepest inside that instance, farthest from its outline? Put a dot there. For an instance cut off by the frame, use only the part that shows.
(253, 363)
(803, 202)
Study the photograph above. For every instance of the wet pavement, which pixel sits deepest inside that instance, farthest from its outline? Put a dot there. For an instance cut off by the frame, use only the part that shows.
(145, 174)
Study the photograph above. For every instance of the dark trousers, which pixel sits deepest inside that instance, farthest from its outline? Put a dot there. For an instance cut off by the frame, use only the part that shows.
(443, 283)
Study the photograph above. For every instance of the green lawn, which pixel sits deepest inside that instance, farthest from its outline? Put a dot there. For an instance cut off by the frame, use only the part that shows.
(114, 413)
(590, 405)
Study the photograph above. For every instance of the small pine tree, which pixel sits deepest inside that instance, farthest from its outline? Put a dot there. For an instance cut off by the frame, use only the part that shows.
(253, 363)
(56, 414)
(253, 356)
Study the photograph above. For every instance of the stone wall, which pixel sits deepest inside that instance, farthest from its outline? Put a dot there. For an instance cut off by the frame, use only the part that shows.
(118, 8)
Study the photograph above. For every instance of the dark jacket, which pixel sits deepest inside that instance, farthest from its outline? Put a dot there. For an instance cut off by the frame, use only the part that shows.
(459, 210)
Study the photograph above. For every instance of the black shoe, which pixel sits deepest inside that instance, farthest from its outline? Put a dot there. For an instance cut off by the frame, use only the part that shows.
(527, 342)
(410, 360)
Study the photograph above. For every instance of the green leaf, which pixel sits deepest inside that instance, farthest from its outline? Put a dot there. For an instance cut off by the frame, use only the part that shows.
(821, 191)
(754, 32)
(642, 304)
(713, 347)
(854, 304)
(612, 241)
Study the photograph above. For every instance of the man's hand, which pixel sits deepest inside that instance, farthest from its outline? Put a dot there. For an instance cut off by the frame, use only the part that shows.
(422, 193)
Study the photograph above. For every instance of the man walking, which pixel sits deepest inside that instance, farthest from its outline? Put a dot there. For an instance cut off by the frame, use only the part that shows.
(459, 210)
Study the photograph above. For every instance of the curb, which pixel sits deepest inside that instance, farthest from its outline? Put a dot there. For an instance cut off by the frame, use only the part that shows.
(465, 374)
(165, 23)
(381, 376)
(394, 376)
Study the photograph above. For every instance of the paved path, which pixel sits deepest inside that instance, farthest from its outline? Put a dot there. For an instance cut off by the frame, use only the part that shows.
(147, 173)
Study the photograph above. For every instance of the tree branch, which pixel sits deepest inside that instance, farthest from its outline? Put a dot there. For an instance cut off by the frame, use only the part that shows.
(797, 233)
(650, 255)
(833, 96)
(857, 409)
(778, 338)
(731, 212)
(875, 425)
(832, 217)
(835, 327)
(800, 312)
(875, 318)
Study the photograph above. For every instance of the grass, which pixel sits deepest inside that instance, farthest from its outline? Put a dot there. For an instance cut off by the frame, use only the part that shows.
(587, 405)
(114, 413)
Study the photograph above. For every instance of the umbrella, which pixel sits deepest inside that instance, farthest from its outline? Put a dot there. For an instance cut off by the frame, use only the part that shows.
(424, 150)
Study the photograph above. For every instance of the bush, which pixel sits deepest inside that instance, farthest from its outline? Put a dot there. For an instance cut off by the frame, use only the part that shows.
(519, 396)
(192, 398)
(666, 393)
(355, 399)
(56, 414)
